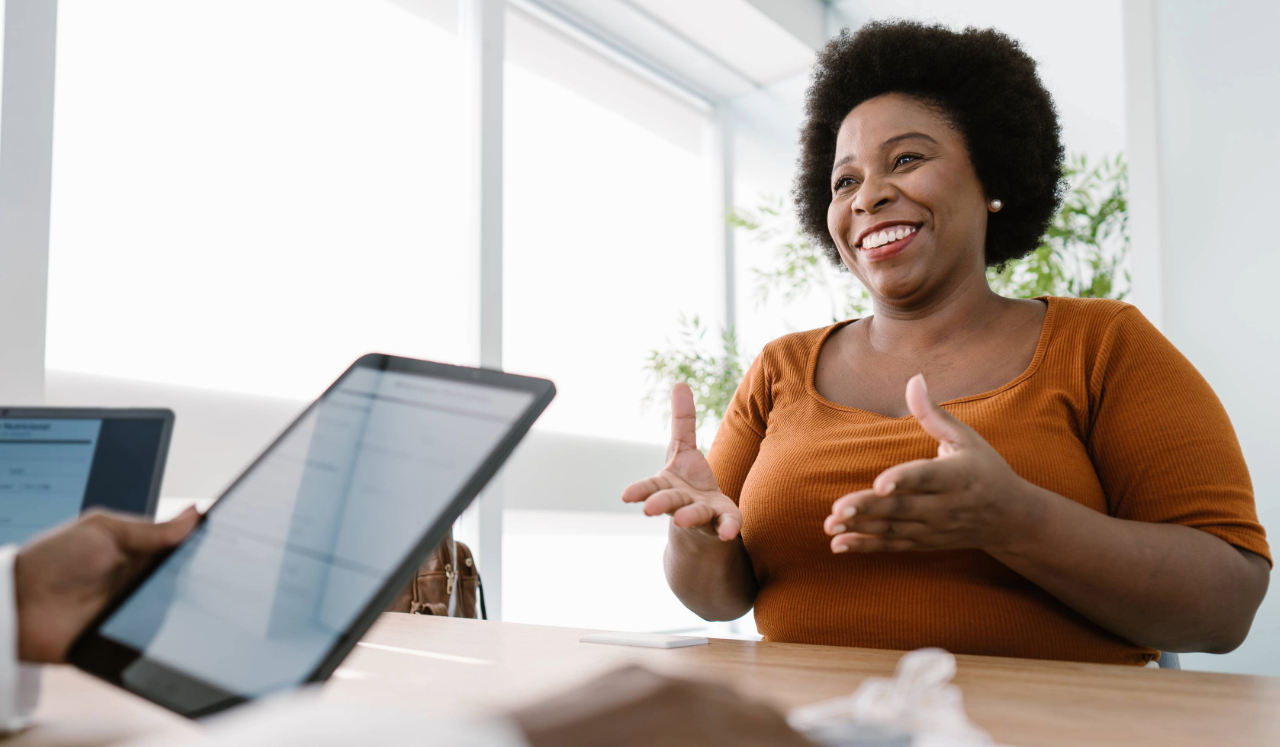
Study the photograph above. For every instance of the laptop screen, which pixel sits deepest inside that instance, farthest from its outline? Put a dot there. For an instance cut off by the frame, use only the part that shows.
(52, 468)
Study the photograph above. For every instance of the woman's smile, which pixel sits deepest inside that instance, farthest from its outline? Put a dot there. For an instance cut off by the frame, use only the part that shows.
(888, 242)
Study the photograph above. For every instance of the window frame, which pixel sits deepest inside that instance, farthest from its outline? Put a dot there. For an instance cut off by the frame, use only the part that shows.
(26, 143)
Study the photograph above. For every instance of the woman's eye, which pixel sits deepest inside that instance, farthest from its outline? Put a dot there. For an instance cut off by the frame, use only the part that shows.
(843, 183)
(904, 159)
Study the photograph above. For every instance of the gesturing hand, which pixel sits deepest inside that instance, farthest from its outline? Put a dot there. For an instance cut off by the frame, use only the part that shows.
(63, 579)
(968, 497)
(686, 488)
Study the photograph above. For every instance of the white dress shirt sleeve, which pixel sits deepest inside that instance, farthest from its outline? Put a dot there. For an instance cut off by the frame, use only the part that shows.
(19, 683)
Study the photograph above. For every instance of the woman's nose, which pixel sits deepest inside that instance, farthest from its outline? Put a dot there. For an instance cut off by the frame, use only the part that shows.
(872, 196)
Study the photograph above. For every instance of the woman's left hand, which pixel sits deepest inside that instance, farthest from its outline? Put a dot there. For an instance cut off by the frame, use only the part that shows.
(967, 497)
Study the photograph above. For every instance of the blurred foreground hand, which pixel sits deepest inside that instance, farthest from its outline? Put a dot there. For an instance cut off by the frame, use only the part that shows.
(634, 707)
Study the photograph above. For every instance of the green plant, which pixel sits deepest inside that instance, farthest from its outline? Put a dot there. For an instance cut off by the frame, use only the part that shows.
(1084, 251)
(799, 267)
(713, 377)
(1083, 254)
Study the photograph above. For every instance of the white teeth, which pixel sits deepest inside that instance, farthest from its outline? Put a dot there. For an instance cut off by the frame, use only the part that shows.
(880, 238)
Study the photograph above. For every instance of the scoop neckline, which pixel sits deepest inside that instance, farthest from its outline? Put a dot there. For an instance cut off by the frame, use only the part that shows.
(1041, 346)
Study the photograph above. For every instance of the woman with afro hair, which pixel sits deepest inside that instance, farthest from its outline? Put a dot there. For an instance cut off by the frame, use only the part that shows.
(1044, 478)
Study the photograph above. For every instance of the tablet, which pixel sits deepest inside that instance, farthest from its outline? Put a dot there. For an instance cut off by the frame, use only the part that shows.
(56, 462)
(296, 559)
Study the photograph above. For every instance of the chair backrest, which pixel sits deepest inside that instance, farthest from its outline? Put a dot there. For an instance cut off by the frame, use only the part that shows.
(1169, 660)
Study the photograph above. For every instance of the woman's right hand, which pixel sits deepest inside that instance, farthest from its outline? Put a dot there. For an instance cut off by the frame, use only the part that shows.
(686, 488)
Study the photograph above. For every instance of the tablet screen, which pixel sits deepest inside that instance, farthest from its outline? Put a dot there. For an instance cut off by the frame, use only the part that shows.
(288, 558)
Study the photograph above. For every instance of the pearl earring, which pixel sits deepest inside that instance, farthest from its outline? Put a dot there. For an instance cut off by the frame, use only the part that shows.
(996, 204)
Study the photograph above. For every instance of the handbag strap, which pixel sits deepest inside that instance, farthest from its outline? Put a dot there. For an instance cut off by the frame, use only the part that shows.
(449, 553)
(484, 613)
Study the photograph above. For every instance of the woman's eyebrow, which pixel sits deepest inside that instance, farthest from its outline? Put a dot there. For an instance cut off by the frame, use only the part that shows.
(907, 136)
(886, 144)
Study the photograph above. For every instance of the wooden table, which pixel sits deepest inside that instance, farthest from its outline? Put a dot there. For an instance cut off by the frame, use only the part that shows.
(472, 666)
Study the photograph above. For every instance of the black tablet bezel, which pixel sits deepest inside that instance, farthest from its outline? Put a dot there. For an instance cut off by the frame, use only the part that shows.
(164, 415)
(107, 659)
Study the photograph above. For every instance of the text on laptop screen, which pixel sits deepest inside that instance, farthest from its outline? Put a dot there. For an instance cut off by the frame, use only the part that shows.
(52, 469)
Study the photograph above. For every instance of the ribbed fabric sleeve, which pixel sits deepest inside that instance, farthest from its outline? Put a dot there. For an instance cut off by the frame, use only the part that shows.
(744, 426)
(1108, 414)
(1161, 441)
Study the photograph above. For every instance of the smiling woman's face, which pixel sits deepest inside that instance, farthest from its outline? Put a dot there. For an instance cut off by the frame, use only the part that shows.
(908, 213)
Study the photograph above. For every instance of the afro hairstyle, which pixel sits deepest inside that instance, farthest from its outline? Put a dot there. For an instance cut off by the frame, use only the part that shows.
(981, 81)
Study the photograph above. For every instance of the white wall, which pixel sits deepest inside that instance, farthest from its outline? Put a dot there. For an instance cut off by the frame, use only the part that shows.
(1219, 156)
(26, 142)
(217, 434)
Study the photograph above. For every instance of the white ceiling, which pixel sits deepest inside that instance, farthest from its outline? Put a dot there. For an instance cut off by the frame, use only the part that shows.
(719, 49)
(737, 33)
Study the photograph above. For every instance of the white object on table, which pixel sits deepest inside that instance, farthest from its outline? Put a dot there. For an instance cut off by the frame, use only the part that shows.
(647, 640)
(919, 703)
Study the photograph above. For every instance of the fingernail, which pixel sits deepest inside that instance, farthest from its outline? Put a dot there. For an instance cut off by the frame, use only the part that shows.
(838, 529)
(887, 488)
(840, 548)
(849, 512)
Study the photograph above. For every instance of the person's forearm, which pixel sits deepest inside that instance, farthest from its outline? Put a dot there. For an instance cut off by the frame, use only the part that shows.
(712, 577)
(1165, 586)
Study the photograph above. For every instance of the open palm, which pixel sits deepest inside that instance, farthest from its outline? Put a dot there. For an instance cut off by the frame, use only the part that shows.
(686, 488)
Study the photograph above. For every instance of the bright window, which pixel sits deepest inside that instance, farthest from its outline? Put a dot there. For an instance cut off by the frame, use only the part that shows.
(249, 194)
(609, 232)
(609, 235)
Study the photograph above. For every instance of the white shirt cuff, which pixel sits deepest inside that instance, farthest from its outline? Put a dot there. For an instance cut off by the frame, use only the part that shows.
(19, 683)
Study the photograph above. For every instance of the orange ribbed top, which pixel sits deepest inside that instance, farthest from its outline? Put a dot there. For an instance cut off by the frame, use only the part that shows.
(1108, 414)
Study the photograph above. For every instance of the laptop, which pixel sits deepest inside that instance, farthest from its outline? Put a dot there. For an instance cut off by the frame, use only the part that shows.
(57, 462)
